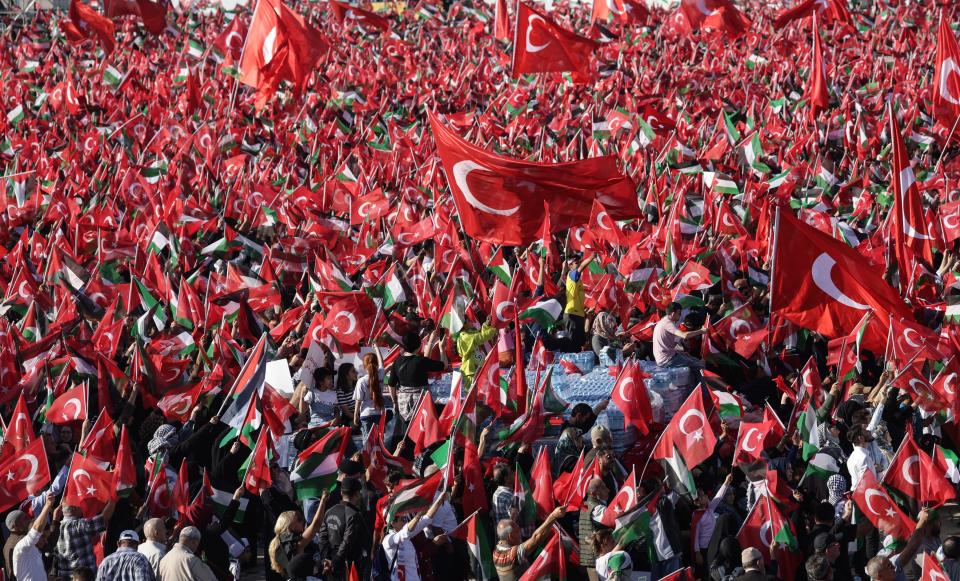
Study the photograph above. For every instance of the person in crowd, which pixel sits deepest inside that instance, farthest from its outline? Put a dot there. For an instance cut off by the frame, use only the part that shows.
(344, 536)
(75, 543)
(293, 536)
(346, 384)
(155, 545)
(181, 563)
(320, 401)
(753, 566)
(18, 524)
(470, 348)
(512, 555)
(612, 563)
(409, 375)
(397, 544)
(667, 337)
(368, 395)
(126, 564)
(27, 562)
(593, 508)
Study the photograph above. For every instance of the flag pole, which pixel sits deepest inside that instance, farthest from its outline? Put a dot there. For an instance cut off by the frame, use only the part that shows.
(936, 168)
(773, 264)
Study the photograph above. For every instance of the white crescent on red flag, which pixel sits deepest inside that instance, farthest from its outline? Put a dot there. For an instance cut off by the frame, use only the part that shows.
(946, 78)
(542, 46)
(822, 284)
(501, 200)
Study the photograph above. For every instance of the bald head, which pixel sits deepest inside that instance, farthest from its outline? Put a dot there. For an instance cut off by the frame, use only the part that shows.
(155, 530)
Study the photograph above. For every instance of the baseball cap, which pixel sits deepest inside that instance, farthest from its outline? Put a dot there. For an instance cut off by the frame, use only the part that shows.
(13, 517)
(129, 535)
(750, 555)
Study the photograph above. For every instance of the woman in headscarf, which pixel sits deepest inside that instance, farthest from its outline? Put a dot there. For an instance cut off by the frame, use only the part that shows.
(604, 330)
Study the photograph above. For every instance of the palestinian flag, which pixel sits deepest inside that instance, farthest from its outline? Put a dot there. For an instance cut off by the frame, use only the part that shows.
(414, 496)
(500, 268)
(635, 524)
(822, 465)
(544, 313)
(249, 382)
(453, 315)
(316, 467)
(474, 533)
(221, 500)
(552, 402)
(809, 435)
(946, 460)
(393, 293)
(727, 404)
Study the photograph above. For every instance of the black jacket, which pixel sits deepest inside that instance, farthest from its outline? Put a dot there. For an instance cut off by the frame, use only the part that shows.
(756, 576)
(344, 535)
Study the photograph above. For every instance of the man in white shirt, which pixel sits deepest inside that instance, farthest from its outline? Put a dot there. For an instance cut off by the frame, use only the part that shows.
(155, 547)
(866, 456)
(27, 560)
(399, 550)
(666, 337)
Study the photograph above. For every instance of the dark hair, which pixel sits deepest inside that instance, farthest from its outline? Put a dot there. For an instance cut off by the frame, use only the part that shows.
(411, 341)
(343, 372)
(581, 409)
(818, 568)
(856, 433)
(501, 474)
(82, 574)
(729, 551)
(674, 307)
(951, 547)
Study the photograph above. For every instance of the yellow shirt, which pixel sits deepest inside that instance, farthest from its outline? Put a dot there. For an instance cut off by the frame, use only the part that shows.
(468, 347)
(575, 297)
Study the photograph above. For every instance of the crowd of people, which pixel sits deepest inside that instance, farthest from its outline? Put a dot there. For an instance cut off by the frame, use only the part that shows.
(253, 324)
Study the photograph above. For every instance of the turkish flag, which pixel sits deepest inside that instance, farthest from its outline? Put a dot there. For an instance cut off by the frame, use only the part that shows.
(541, 480)
(816, 92)
(541, 46)
(89, 486)
(623, 502)
(424, 428)
(71, 406)
(257, 479)
(913, 473)
(602, 9)
(750, 442)
(279, 46)
(719, 15)
(822, 284)
(946, 79)
(85, 22)
(153, 14)
(23, 474)
(124, 472)
(880, 508)
(630, 396)
(349, 318)
(910, 229)
(474, 493)
(230, 41)
(344, 12)
(690, 431)
(932, 569)
(949, 214)
(501, 200)
(20, 430)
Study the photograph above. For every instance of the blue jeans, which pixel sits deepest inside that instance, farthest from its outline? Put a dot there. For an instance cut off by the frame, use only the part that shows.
(366, 425)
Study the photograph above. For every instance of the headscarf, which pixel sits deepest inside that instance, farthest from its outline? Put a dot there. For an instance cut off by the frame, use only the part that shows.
(605, 326)
(163, 439)
(836, 485)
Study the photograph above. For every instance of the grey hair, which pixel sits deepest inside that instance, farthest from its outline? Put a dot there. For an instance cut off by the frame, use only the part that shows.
(505, 528)
(874, 565)
(191, 534)
(151, 529)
